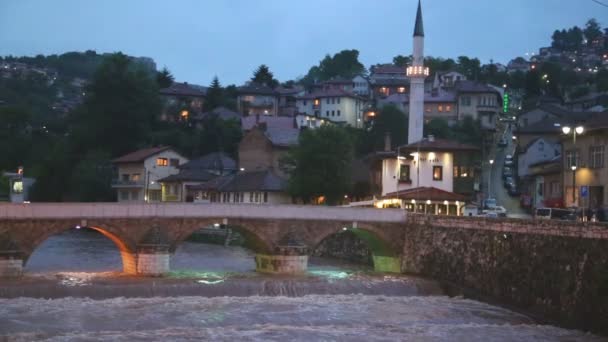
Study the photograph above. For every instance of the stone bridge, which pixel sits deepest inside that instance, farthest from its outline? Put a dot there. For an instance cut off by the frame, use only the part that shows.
(147, 234)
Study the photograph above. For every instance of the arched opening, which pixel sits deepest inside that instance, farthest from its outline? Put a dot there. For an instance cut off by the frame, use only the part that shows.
(215, 251)
(351, 248)
(88, 250)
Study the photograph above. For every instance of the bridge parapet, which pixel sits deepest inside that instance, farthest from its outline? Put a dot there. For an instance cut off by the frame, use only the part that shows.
(187, 210)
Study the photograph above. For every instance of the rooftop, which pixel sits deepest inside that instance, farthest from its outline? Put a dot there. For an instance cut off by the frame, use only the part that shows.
(465, 86)
(140, 155)
(221, 112)
(440, 96)
(279, 122)
(328, 93)
(438, 145)
(184, 89)
(245, 181)
(216, 161)
(256, 89)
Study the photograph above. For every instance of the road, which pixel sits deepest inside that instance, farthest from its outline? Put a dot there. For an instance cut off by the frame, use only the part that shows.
(497, 190)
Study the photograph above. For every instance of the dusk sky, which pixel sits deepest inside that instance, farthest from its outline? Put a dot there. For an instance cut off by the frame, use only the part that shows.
(230, 38)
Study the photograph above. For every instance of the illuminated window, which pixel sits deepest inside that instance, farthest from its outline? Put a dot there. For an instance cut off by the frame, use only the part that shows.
(440, 108)
(448, 108)
(317, 102)
(401, 89)
(428, 109)
(135, 177)
(184, 114)
(18, 187)
(162, 162)
(437, 173)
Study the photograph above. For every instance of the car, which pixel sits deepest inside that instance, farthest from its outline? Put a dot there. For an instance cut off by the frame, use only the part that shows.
(502, 142)
(489, 203)
(508, 162)
(508, 181)
(507, 172)
(513, 190)
(555, 214)
(509, 157)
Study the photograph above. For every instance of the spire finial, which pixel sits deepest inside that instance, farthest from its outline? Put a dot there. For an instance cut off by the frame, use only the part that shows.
(419, 28)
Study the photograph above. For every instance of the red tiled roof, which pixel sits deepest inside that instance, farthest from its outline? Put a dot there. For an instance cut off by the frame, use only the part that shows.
(140, 155)
(427, 193)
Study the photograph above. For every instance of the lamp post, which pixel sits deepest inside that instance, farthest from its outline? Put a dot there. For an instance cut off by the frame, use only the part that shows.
(490, 178)
(578, 130)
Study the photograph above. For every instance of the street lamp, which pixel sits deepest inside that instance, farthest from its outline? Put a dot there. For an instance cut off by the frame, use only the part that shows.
(490, 179)
(577, 130)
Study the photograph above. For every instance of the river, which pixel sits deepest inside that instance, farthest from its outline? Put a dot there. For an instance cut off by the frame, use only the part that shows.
(213, 294)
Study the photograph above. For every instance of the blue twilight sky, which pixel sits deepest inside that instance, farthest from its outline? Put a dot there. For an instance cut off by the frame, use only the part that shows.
(197, 39)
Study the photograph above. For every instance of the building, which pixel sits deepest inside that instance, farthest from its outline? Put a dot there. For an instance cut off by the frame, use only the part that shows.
(361, 86)
(221, 113)
(538, 170)
(182, 101)
(334, 105)
(139, 172)
(588, 156)
(438, 104)
(263, 146)
(432, 176)
(479, 101)
(287, 99)
(257, 99)
(388, 79)
(447, 79)
(194, 173)
(18, 186)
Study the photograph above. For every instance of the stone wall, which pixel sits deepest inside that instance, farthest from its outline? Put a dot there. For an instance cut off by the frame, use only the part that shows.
(555, 269)
(345, 246)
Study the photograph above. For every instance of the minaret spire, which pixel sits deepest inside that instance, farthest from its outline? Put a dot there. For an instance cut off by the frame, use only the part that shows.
(419, 28)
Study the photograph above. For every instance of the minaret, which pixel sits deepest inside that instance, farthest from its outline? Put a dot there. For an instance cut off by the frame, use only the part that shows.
(417, 73)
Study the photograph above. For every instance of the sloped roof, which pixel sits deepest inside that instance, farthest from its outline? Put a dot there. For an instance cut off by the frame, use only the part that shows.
(419, 28)
(441, 96)
(546, 126)
(140, 155)
(283, 137)
(328, 93)
(218, 161)
(184, 89)
(466, 86)
(424, 193)
(256, 89)
(193, 175)
(387, 69)
(245, 181)
(221, 112)
(438, 145)
(279, 122)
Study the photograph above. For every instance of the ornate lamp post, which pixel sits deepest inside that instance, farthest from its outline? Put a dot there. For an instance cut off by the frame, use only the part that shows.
(578, 130)
(490, 179)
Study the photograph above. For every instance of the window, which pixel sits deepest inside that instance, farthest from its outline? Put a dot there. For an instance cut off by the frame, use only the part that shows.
(437, 173)
(541, 146)
(304, 102)
(18, 187)
(162, 162)
(317, 102)
(124, 195)
(135, 177)
(327, 113)
(327, 100)
(125, 178)
(456, 174)
(465, 100)
(251, 197)
(134, 195)
(265, 197)
(333, 113)
(174, 162)
(338, 100)
(448, 108)
(572, 159)
(404, 173)
(401, 89)
(596, 156)
(338, 112)
(556, 189)
(440, 108)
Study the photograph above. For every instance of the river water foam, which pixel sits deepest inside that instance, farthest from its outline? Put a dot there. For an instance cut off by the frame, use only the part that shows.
(213, 295)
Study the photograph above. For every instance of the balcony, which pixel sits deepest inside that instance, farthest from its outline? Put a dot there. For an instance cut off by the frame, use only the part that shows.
(119, 183)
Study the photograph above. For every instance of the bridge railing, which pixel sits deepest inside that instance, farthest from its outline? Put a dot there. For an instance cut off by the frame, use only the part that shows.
(186, 210)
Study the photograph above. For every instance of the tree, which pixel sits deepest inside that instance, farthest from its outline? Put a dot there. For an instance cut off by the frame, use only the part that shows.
(121, 104)
(438, 128)
(402, 61)
(592, 31)
(15, 137)
(320, 165)
(390, 120)
(91, 179)
(263, 76)
(344, 64)
(601, 79)
(164, 78)
(215, 95)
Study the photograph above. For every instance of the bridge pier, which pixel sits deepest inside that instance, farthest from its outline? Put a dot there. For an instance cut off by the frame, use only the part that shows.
(153, 253)
(290, 257)
(11, 258)
(387, 264)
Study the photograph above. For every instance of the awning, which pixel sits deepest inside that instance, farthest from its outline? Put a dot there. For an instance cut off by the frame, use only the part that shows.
(427, 193)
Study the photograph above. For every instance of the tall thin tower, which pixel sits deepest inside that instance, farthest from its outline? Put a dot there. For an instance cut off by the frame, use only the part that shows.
(417, 73)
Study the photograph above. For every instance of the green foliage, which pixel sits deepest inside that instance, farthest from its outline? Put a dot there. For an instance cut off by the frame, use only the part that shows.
(402, 61)
(91, 178)
(344, 64)
(466, 131)
(263, 76)
(15, 137)
(389, 120)
(592, 30)
(215, 95)
(164, 78)
(568, 40)
(601, 79)
(121, 105)
(321, 164)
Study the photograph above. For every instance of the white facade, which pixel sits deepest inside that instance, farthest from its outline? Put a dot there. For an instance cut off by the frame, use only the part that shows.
(421, 174)
(337, 109)
(360, 86)
(539, 151)
(138, 182)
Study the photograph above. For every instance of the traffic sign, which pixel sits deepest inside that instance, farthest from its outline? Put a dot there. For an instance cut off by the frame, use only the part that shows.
(584, 191)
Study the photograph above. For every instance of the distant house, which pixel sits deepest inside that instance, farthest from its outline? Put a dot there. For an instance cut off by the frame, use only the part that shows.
(361, 86)
(287, 99)
(257, 99)
(447, 79)
(182, 101)
(197, 172)
(139, 172)
(438, 104)
(335, 105)
(388, 79)
(479, 101)
(263, 146)
(537, 150)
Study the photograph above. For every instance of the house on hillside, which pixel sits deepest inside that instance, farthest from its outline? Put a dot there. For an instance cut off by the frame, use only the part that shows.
(388, 79)
(257, 99)
(479, 101)
(182, 101)
(438, 104)
(139, 173)
(337, 106)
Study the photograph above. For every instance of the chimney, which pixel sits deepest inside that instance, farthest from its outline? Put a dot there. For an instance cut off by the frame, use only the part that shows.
(431, 138)
(387, 142)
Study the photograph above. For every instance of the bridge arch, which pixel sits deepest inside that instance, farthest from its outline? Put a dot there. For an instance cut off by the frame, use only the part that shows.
(125, 246)
(385, 253)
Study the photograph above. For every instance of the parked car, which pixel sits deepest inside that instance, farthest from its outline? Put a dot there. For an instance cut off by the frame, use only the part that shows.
(508, 181)
(509, 160)
(555, 214)
(507, 172)
(502, 142)
(497, 211)
(513, 190)
(489, 203)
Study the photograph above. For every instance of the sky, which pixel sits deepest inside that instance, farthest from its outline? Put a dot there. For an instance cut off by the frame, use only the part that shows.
(199, 39)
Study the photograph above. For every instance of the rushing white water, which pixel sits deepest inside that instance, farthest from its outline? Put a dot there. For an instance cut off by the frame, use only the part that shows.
(395, 308)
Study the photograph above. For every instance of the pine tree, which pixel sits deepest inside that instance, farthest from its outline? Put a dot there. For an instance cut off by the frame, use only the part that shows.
(214, 96)
(264, 76)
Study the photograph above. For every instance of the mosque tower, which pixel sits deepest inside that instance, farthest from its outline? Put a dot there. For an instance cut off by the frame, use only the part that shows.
(417, 73)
